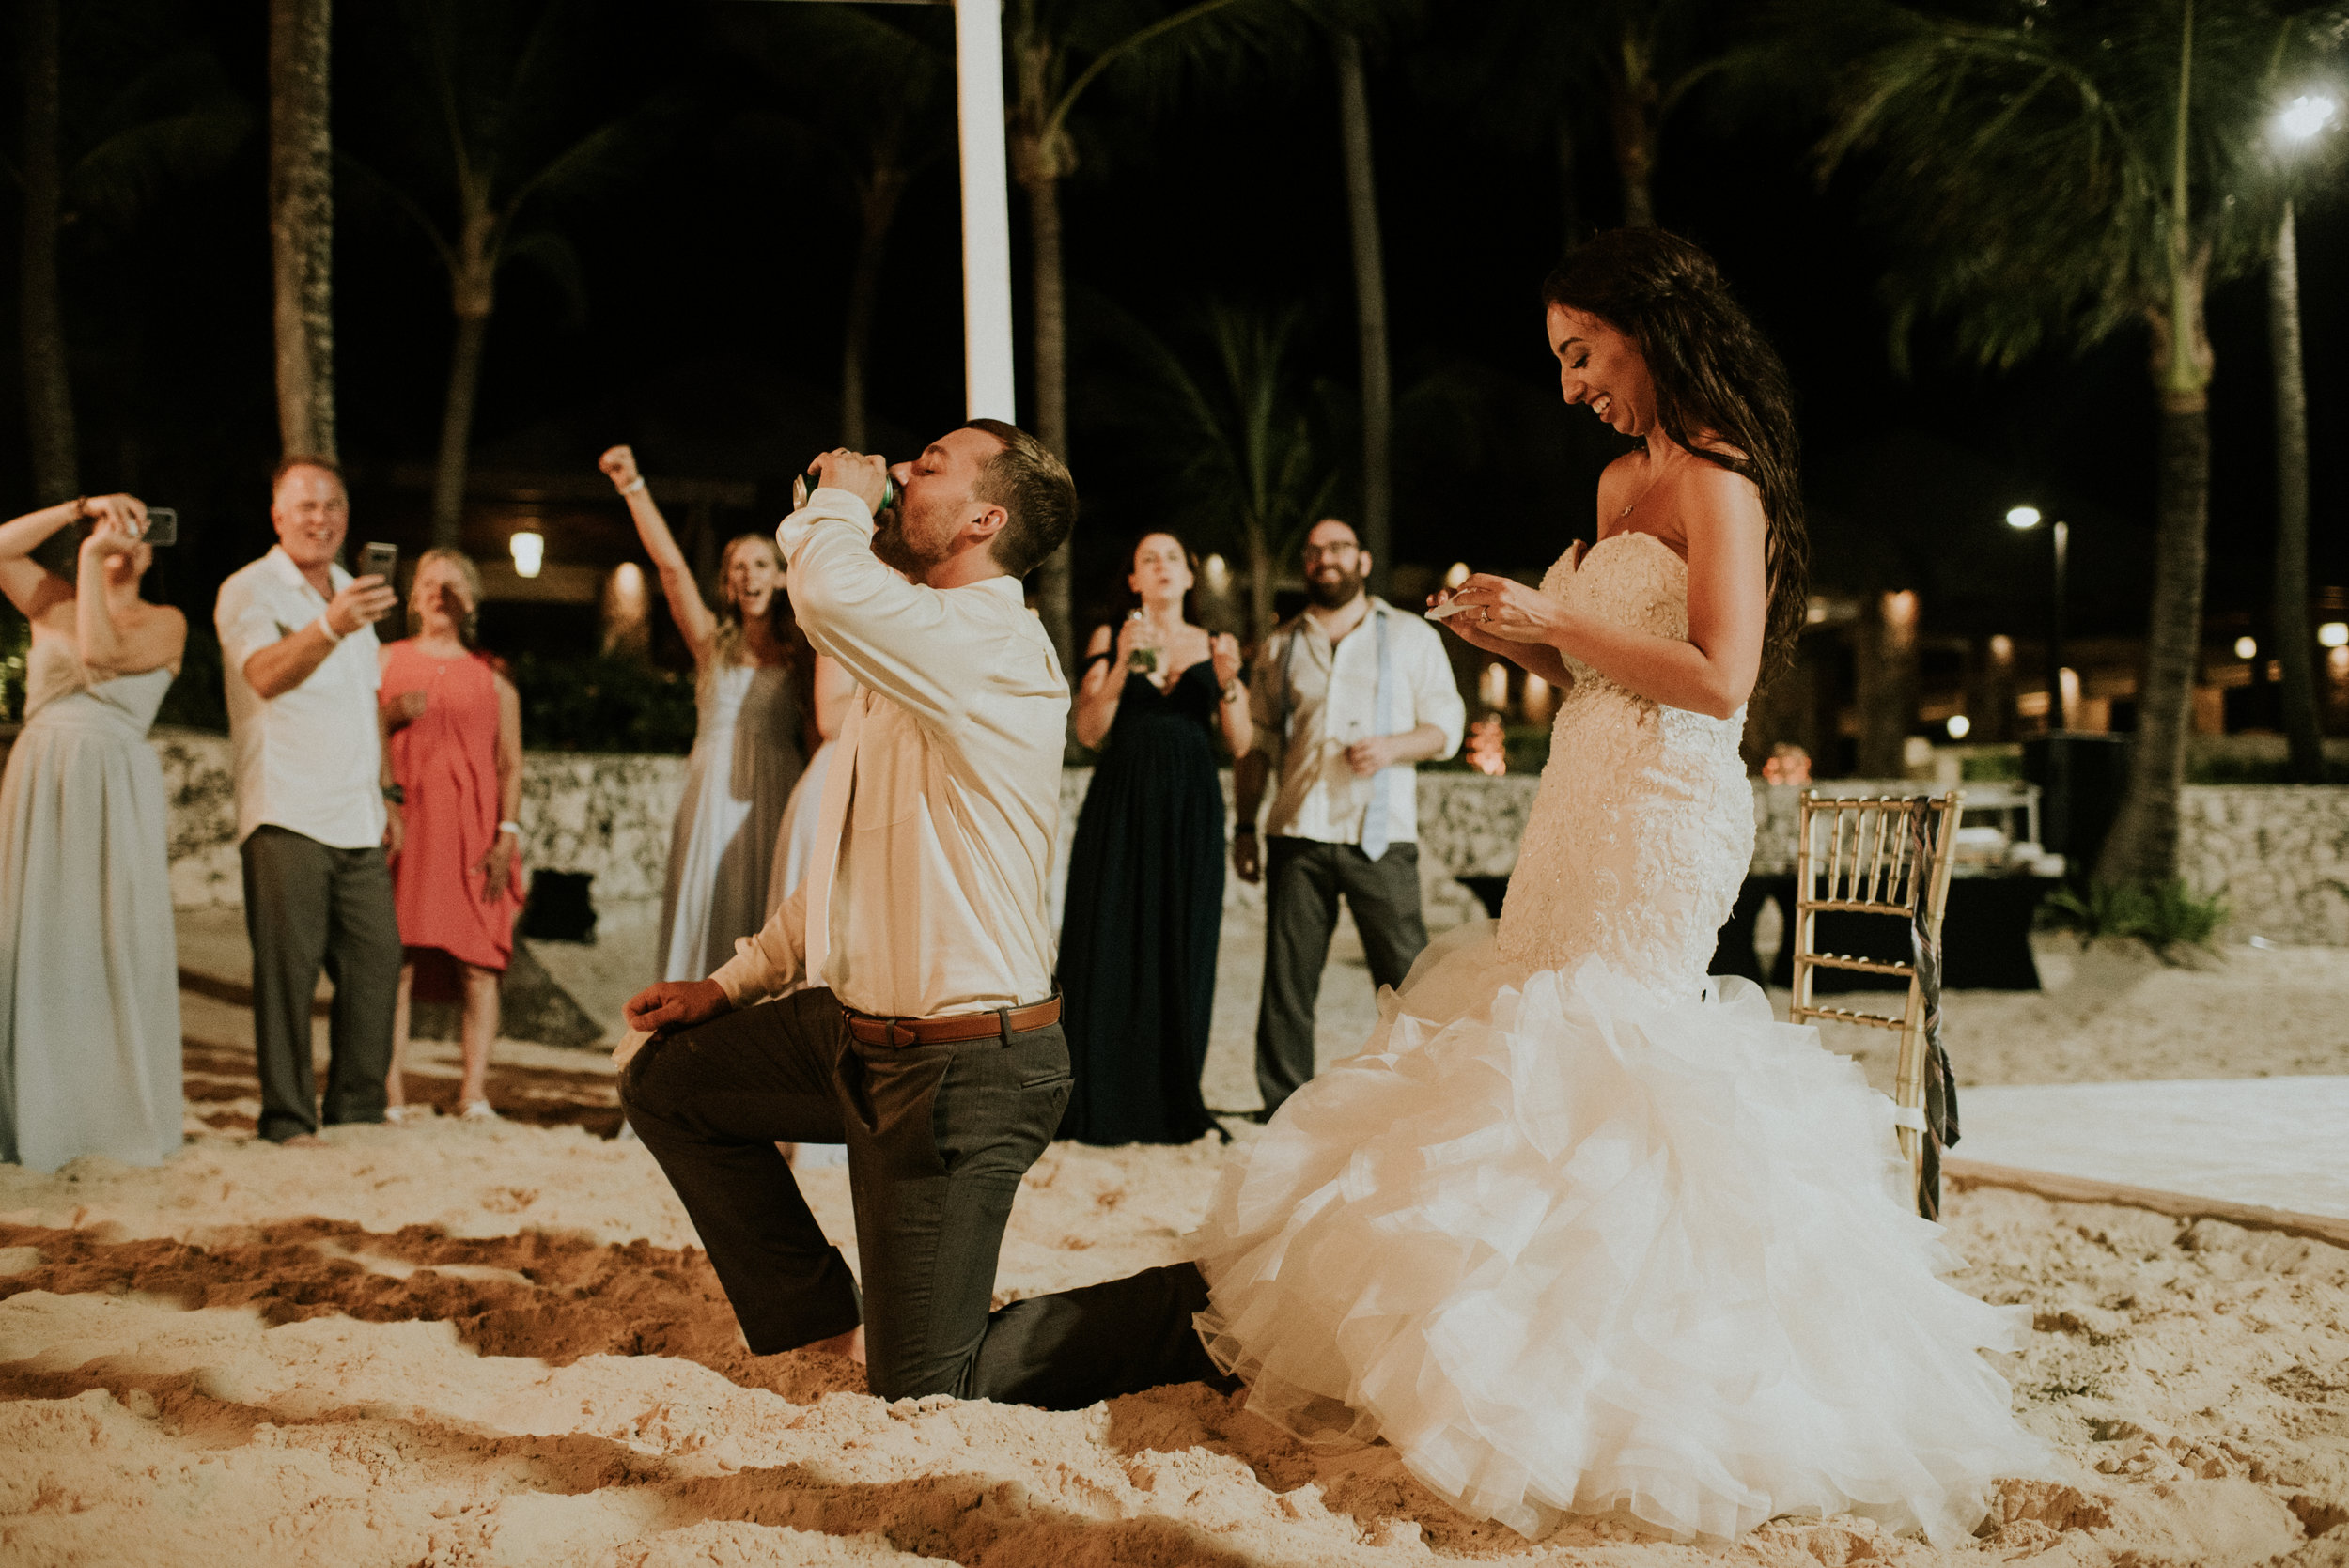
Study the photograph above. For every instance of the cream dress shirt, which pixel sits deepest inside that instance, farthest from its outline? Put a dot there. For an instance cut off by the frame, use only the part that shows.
(309, 759)
(940, 900)
(1332, 703)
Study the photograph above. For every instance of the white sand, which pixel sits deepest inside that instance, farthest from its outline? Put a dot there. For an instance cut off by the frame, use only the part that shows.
(466, 1345)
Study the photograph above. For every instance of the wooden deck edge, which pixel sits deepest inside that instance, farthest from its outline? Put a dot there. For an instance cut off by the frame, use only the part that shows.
(1962, 1173)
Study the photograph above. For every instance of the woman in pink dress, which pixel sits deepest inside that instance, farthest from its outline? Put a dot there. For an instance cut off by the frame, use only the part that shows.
(453, 725)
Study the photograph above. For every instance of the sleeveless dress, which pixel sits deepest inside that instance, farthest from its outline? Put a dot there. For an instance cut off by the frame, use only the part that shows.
(1582, 1231)
(746, 757)
(1144, 907)
(447, 761)
(89, 968)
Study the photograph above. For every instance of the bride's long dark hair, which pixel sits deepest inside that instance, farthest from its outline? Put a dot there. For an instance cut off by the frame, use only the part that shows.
(1716, 376)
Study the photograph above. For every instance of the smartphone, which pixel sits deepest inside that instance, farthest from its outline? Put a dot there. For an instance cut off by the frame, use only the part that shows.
(162, 526)
(377, 559)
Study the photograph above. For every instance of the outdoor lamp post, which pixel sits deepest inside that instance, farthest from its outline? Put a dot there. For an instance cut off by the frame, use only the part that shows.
(2297, 124)
(2028, 518)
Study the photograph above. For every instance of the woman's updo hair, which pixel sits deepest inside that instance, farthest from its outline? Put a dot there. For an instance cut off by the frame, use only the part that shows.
(1717, 377)
(468, 624)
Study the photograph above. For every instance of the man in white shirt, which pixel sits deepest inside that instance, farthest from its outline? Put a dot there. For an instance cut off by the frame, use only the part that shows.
(298, 653)
(929, 1039)
(1346, 697)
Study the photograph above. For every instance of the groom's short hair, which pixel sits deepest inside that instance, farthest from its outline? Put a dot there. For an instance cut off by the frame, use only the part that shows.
(1033, 488)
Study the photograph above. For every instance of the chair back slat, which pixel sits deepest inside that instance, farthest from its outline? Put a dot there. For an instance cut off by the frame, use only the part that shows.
(1862, 857)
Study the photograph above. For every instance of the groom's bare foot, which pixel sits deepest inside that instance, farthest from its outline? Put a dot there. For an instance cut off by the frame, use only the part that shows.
(851, 1344)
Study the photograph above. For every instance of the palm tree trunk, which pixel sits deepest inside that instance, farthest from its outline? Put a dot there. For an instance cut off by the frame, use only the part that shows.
(302, 221)
(1259, 590)
(1569, 208)
(879, 211)
(48, 384)
(1887, 685)
(1633, 102)
(2293, 647)
(1370, 312)
(474, 300)
(1052, 391)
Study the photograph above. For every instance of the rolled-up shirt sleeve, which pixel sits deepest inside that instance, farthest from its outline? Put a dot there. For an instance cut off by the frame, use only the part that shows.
(1436, 696)
(245, 623)
(771, 959)
(902, 640)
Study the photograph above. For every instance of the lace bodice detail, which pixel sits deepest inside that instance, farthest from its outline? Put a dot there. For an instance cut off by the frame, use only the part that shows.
(1644, 826)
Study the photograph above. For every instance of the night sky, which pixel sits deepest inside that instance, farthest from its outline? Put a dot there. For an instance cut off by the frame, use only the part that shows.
(715, 275)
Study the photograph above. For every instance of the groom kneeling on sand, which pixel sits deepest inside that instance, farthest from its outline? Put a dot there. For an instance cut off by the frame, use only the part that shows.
(930, 1040)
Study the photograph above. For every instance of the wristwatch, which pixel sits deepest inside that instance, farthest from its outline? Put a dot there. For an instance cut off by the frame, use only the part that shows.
(395, 794)
(1234, 689)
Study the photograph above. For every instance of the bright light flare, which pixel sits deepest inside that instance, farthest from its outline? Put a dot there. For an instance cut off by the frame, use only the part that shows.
(1457, 575)
(1960, 726)
(530, 551)
(2022, 516)
(2333, 634)
(2304, 116)
(2247, 647)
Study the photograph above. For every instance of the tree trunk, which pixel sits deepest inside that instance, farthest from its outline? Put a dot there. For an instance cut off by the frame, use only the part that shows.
(879, 206)
(1887, 685)
(1259, 591)
(1370, 310)
(302, 222)
(474, 296)
(1633, 105)
(2295, 647)
(48, 384)
(1051, 392)
(2143, 845)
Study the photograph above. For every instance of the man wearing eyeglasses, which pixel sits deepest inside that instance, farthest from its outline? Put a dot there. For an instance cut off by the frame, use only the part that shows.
(1346, 697)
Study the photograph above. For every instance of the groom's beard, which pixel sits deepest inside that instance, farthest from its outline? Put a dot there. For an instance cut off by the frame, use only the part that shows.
(895, 550)
(1333, 594)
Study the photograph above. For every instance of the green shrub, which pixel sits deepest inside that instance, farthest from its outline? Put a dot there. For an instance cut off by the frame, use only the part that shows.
(1988, 767)
(2163, 915)
(606, 703)
(16, 640)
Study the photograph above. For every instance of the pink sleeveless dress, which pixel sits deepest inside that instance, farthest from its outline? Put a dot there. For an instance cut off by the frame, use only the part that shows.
(447, 761)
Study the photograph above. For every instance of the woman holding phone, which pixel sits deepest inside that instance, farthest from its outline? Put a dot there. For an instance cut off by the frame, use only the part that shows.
(453, 729)
(89, 987)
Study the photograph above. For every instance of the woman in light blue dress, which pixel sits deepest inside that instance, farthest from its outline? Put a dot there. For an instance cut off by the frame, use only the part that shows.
(751, 671)
(89, 972)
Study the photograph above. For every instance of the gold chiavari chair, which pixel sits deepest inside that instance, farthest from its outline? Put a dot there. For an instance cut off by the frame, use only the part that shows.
(1889, 855)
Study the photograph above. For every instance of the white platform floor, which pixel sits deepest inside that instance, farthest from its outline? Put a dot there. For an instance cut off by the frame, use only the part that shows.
(2277, 1143)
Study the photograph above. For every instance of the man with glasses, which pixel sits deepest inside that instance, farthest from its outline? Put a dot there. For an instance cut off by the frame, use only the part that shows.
(1346, 697)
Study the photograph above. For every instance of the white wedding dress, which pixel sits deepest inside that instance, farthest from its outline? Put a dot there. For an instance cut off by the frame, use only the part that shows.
(1582, 1231)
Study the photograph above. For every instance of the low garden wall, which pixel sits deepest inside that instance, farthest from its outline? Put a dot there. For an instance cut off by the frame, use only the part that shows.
(2279, 853)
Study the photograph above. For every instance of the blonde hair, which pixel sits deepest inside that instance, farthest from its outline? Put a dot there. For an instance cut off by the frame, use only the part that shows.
(468, 624)
(726, 647)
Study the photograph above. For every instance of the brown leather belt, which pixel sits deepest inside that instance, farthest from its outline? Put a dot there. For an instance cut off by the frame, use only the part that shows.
(876, 1030)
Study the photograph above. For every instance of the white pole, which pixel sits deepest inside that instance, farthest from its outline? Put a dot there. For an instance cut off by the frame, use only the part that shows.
(987, 365)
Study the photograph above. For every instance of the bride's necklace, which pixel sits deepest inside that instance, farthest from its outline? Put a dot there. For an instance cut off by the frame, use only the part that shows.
(1654, 479)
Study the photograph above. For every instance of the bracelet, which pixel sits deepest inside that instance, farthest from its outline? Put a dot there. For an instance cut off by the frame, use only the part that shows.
(513, 827)
(633, 485)
(81, 509)
(326, 626)
(1235, 691)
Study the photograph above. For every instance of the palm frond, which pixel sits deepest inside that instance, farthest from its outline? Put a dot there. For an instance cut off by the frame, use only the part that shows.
(178, 120)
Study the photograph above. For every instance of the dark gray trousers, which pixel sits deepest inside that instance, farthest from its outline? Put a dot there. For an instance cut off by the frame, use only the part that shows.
(1303, 880)
(307, 906)
(939, 1137)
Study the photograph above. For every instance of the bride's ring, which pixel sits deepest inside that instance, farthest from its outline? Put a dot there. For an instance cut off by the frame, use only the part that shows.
(1484, 615)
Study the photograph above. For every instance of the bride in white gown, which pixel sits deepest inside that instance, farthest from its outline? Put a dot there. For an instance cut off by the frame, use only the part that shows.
(1581, 1231)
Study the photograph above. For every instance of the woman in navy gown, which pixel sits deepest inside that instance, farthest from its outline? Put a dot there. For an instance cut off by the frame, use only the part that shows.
(1145, 878)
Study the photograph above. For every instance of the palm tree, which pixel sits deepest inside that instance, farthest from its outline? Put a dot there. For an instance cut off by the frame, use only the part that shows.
(877, 98)
(2056, 181)
(1152, 48)
(302, 221)
(1370, 308)
(492, 124)
(1237, 434)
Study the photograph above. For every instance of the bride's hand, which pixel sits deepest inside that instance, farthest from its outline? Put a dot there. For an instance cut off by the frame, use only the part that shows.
(1464, 626)
(1504, 612)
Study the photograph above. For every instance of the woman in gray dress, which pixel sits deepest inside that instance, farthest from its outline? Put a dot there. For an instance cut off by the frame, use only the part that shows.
(89, 974)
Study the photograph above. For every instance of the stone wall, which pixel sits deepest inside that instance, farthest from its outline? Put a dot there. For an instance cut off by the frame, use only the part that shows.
(2279, 853)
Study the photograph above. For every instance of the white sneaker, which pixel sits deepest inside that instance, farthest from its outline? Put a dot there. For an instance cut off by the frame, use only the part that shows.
(478, 1111)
